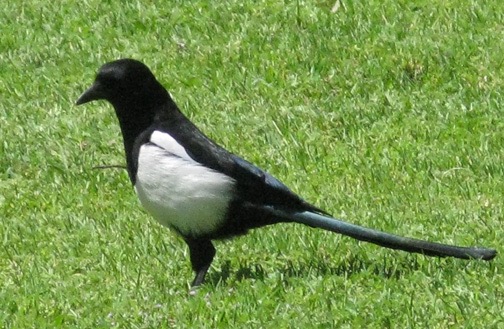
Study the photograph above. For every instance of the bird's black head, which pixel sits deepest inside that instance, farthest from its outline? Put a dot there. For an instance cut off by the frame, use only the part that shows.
(127, 84)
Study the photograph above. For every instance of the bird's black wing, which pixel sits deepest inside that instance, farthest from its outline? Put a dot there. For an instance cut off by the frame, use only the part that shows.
(253, 184)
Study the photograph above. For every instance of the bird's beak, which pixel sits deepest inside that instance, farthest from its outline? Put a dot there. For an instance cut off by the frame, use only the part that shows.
(93, 93)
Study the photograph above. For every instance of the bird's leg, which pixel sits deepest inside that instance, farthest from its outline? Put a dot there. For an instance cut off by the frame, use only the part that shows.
(202, 253)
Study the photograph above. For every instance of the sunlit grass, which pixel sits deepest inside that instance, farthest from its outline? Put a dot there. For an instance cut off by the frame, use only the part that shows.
(385, 113)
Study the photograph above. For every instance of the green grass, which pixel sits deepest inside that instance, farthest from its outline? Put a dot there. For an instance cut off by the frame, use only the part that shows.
(385, 113)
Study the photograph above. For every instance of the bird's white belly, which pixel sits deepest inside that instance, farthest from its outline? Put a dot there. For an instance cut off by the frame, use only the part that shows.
(181, 194)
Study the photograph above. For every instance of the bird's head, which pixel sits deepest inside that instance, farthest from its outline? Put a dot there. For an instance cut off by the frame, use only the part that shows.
(126, 84)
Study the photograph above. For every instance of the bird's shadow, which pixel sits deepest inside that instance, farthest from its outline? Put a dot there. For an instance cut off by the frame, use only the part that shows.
(317, 267)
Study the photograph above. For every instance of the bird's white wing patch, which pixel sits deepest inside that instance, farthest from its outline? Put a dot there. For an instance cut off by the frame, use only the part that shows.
(181, 194)
(169, 144)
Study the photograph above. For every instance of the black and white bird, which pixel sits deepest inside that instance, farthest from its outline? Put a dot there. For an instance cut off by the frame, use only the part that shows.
(200, 190)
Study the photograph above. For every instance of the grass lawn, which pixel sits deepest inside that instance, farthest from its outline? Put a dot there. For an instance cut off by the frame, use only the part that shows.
(388, 114)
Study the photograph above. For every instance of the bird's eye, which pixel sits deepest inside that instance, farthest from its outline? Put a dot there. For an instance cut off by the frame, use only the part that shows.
(109, 78)
(107, 81)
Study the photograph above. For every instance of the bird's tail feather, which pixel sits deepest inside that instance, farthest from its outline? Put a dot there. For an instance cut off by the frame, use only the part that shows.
(384, 239)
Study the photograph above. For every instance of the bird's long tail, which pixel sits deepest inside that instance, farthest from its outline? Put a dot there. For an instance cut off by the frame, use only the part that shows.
(383, 239)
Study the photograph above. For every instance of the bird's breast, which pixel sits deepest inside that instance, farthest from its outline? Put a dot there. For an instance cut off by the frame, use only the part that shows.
(182, 194)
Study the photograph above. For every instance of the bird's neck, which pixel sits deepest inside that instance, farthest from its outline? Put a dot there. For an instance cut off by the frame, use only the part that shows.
(133, 126)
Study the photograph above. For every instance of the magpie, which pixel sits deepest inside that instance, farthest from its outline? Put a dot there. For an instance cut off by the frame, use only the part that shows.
(203, 192)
